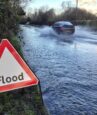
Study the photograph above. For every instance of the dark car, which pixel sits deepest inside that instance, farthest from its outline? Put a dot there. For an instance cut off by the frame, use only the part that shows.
(64, 27)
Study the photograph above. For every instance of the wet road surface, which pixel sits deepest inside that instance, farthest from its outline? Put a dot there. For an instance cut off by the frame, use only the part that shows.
(67, 69)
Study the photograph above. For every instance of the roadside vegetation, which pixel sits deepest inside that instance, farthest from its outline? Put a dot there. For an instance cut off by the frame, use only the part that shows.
(26, 101)
(10, 14)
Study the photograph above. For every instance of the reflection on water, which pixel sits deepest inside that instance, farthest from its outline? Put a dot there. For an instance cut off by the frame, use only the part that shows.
(67, 70)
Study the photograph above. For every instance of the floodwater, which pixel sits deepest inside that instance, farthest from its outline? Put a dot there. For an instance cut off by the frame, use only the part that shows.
(66, 67)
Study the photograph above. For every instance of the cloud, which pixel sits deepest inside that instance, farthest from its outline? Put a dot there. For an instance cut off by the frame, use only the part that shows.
(89, 5)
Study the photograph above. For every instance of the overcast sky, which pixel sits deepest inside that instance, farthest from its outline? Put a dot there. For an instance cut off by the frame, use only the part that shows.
(90, 5)
(56, 4)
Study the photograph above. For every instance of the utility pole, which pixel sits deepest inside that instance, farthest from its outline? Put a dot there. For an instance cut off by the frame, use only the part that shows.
(76, 9)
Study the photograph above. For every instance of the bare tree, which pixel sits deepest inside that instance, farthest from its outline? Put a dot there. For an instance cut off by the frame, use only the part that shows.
(66, 5)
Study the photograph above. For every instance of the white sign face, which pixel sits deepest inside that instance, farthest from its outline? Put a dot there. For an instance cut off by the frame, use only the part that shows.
(14, 72)
(11, 71)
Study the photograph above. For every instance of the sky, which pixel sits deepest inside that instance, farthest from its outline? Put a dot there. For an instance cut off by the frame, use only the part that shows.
(89, 5)
(56, 4)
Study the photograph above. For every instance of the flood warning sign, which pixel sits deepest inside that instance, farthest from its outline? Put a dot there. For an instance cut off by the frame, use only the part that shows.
(14, 73)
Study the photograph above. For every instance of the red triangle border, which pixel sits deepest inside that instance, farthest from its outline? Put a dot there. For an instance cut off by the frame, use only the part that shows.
(6, 44)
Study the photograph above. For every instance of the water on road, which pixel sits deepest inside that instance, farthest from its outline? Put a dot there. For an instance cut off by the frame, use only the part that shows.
(67, 69)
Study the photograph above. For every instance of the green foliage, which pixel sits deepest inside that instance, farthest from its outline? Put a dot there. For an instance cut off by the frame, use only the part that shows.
(27, 101)
(16, 43)
(10, 12)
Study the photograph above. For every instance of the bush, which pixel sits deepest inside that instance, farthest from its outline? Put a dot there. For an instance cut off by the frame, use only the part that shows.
(16, 43)
(9, 18)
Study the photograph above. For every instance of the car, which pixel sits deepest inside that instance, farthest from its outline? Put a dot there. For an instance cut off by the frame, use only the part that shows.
(63, 27)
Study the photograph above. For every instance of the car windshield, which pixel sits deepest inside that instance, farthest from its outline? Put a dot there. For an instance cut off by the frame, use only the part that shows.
(62, 23)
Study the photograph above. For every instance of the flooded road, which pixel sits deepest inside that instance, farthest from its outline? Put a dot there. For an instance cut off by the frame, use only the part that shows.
(67, 69)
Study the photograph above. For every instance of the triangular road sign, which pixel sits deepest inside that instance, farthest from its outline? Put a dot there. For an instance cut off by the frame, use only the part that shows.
(14, 72)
